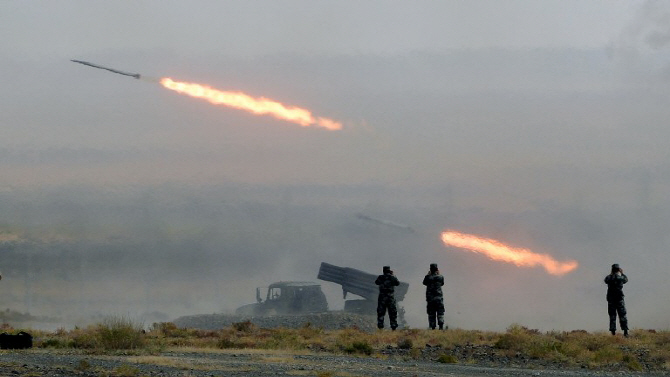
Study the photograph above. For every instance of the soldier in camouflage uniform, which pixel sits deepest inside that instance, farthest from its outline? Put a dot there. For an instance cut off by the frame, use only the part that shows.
(615, 301)
(386, 301)
(434, 301)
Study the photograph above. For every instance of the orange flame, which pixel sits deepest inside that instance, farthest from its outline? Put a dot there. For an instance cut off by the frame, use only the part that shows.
(501, 252)
(261, 106)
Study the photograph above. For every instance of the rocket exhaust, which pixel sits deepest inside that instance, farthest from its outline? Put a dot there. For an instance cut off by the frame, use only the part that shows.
(234, 99)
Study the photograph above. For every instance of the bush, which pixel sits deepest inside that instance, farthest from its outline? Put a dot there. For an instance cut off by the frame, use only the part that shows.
(359, 347)
(283, 339)
(631, 362)
(116, 333)
(56, 343)
(608, 354)
(405, 344)
(225, 343)
(645, 350)
(168, 329)
(447, 359)
(125, 370)
(84, 339)
(245, 326)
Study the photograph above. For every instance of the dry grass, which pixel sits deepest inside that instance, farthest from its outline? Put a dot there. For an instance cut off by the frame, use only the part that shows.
(644, 350)
(323, 373)
(185, 364)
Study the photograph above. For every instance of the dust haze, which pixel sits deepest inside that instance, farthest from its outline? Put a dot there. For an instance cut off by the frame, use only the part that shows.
(119, 197)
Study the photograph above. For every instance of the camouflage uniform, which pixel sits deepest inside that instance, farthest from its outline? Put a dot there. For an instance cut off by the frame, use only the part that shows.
(615, 301)
(434, 300)
(386, 301)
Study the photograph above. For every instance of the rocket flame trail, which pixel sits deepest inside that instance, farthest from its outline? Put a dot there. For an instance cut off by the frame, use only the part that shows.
(261, 106)
(238, 100)
(498, 251)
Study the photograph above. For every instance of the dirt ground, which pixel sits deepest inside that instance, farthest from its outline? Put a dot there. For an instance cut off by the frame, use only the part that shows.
(38, 362)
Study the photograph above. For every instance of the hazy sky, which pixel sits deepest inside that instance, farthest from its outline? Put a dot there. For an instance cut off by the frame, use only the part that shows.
(540, 123)
(309, 27)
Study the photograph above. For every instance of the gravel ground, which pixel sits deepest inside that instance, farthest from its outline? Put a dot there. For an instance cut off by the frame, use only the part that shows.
(326, 321)
(52, 363)
(389, 362)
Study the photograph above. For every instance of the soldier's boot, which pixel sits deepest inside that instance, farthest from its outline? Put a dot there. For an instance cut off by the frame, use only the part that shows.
(625, 333)
(613, 332)
(440, 320)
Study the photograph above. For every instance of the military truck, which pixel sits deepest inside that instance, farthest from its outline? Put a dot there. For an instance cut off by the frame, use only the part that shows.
(361, 284)
(303, 297)
(287, 297)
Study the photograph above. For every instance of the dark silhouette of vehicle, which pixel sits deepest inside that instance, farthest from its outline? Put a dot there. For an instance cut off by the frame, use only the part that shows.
(302, 297)
(287, 298)
(362, 284)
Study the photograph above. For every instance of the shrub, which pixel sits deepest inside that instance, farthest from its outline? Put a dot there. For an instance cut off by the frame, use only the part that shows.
(85, 339)
(447, 359)
(608, 354)
(83, 365)
(405, 344)
(126, 370)
(119, 333)
(517, 338)
(56, 343)
(168, 329)
(226, 342)
(361, 347)
(540, 348)
(245, 326)
(308, 331)
(282, 339)
(631, 362)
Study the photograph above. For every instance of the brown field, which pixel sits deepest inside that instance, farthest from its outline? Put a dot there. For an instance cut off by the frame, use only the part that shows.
(643, 351)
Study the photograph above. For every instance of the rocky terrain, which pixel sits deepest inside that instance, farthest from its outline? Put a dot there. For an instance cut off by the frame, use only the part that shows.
(401, 358)
(252, 363)
(326, 321)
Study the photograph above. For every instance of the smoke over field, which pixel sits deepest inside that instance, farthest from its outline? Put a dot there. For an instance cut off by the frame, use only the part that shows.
(540, 126)
(158, 253)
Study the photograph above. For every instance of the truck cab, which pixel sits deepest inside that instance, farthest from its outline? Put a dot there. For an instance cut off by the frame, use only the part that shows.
(287, 298)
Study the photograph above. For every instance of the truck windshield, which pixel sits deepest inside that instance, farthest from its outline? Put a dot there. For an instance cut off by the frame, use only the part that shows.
(274, 293)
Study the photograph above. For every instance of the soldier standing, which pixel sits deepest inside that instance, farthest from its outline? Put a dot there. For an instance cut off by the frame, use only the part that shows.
(615, 302)
(434, 301)
(386, 301)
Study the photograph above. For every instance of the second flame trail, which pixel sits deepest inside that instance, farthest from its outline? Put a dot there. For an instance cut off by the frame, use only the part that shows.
(501, 252)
